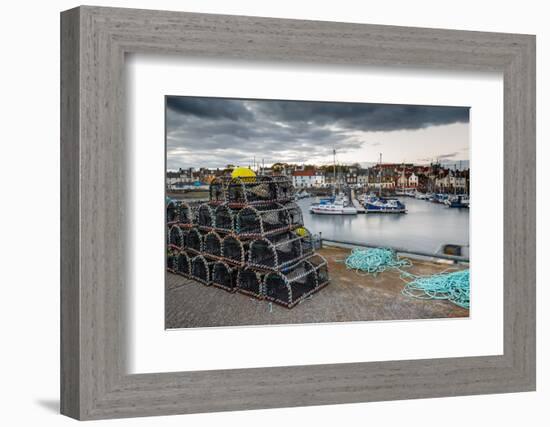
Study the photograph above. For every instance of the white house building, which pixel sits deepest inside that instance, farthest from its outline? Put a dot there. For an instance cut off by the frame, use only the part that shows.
(307, 178)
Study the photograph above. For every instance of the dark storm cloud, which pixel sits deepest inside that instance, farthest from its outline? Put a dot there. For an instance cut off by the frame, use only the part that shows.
(367, 117)
(214, 132)
(209, 108)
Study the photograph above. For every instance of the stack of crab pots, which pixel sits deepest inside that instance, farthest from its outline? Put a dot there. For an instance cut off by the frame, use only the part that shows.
(248, 238)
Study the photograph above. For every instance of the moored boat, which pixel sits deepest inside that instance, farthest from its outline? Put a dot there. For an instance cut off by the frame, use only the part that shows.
(381, 205)
(458, 202)
(332, 207)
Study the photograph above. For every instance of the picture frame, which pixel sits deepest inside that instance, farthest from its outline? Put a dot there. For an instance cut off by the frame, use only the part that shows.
(94, 380)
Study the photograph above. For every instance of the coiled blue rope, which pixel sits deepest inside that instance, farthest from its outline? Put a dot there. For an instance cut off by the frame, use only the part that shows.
(454, 286)
(375, 260)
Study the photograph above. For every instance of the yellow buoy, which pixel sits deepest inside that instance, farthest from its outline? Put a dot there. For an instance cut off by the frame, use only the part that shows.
(240, 172)
(302, 232)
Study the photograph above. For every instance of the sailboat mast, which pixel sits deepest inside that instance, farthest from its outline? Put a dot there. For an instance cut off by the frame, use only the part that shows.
(380, 177)
(334, 171)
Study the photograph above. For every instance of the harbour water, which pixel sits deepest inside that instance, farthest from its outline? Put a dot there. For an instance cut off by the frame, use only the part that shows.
(426, 227)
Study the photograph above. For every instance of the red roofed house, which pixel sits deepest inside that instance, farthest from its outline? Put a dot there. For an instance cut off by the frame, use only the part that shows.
(307, 178)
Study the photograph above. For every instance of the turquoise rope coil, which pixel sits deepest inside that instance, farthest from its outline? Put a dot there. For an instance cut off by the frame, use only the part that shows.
(375, 260)
(454, 286)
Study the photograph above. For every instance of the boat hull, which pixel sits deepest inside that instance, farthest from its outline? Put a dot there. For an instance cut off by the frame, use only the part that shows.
(332, 212)
(385, 211)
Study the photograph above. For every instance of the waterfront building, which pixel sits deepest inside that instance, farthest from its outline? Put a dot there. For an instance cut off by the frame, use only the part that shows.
(308, 178)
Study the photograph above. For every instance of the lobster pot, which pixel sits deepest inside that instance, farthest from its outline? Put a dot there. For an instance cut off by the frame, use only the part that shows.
(277, 251)
(224, 276)
(259, 189)
(206, 217)
(186, 214)
(262, 220)
(321, 268)
(176, 236)
(183, 264)
(212, 244)
(172, 261)
(194, 241)
(285, 189)
(225, 219)
(249, 282)
(217, 190)
(172, 212)
(308, 242)
(234, 250)
(201, 269)
(295, 217)
(290, 287)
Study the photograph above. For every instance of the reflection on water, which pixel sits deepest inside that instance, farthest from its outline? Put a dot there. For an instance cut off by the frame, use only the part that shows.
(425, 227)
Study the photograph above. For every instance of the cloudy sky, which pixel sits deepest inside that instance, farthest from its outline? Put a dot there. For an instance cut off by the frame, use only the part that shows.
(215, 132)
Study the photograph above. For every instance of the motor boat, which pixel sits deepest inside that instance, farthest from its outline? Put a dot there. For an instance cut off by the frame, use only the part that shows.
(382, 205)
(458, 202)
(332, 206)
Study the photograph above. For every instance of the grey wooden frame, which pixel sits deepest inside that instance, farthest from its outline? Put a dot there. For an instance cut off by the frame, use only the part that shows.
(94, 381)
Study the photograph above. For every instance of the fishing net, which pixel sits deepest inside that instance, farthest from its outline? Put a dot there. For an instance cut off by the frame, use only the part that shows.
(290, 286)
(212, 244)
(249, 282)
(224, 276)
(234, 250)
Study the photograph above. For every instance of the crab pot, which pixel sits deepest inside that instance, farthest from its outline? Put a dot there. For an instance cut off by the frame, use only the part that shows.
(206, 217)
(234, 250)
(176, 236)
(291, 286)
(249, 282)
(172, 212)
(277, 251)
(217, 190)
(224, 276)
(225, 218)
(262, 220)
(183, 264)
(308, 242)
(285, 189)
(172, 261)
(186, 214)
(212, 244)
(295, 217)
(321, 268)
(195, 240)
(201, 269)
(258, 189)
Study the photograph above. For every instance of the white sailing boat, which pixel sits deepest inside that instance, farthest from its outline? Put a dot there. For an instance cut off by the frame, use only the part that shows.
(336, 205)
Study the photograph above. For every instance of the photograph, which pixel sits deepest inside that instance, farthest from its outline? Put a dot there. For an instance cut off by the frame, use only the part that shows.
(283, 212)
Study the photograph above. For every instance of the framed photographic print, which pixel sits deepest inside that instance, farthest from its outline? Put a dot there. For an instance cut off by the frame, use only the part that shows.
(262, 213)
